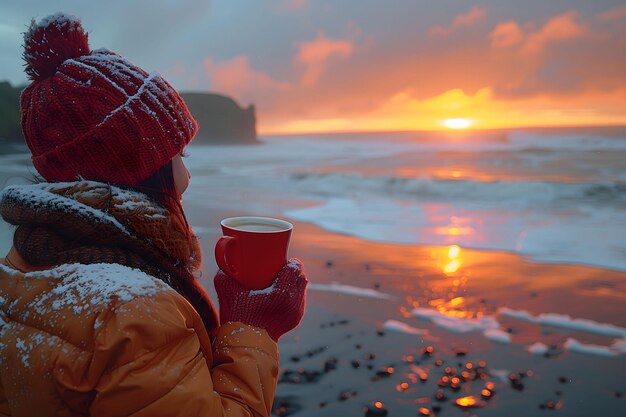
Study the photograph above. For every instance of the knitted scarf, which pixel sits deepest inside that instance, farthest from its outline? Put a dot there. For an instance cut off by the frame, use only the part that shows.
(90, 222)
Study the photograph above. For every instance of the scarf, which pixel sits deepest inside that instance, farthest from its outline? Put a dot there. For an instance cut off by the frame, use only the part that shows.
(89, 222)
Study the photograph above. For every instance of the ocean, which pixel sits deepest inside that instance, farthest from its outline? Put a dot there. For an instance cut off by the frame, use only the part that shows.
(551, 195)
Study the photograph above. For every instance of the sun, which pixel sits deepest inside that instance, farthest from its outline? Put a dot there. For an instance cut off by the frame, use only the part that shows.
(457, 123)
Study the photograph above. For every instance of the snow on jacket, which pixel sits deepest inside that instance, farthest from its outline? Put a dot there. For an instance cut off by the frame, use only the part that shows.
(108, 340)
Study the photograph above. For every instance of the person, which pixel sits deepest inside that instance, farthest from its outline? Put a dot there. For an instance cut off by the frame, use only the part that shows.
(101, 311)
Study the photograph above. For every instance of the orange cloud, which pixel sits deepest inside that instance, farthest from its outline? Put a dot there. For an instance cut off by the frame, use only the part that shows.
(506, 34)
(475, 14)
(405, 111)
(559, 28)
(315, 54)
(616, 13)
(237, 78)
(567, 54)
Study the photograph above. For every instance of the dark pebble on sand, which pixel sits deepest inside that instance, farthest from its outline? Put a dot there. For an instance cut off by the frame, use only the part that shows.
(309, 376)
(550, 405)
(375, 409)
(440, 395)
(564, 380)
(370, 367)
(444, 381)
(377, 285)
(358, 346)
(380, 332)
(370, 356)
(323, 404)
(383, 373)
(345, 395)
(355, 364)
(329, 264)
(299, 376)
(330, 365)
(461, 351)
(295, 359)
(618, 394)
(313, 352)
(436, 408)
(516, 384)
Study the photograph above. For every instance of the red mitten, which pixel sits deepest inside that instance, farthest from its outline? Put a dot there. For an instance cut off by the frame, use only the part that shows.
(277, 309)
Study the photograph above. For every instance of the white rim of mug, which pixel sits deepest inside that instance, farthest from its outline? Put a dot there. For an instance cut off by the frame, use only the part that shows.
(286, 226)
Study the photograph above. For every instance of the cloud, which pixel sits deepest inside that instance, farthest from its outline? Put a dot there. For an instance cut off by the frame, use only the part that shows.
(506, 34)
(237, 78)
(468, 19)
(314, 55)
(559, 28)
(566, 55)
(616, 13)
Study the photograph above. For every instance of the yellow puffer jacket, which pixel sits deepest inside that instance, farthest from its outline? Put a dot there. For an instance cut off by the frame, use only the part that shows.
(108, 340)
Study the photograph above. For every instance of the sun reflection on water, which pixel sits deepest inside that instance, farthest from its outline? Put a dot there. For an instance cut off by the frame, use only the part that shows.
(447, 292)
(454, 260)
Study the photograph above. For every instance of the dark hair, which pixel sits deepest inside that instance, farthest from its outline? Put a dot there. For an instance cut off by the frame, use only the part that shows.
(161, 187)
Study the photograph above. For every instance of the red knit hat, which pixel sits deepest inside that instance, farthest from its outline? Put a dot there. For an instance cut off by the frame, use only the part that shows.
(93, 114)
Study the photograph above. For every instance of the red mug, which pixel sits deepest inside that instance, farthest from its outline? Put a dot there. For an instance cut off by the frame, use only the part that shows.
(253, 250)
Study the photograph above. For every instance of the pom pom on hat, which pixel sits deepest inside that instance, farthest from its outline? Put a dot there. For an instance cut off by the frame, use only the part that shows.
(93, 114)
(50, 42)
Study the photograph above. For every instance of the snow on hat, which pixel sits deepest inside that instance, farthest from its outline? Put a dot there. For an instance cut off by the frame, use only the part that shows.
(93, 114)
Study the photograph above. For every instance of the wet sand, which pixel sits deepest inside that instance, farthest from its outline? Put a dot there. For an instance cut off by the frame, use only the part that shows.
(341, 359)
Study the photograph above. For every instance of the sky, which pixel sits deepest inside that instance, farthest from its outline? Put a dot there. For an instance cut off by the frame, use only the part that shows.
(366, 65)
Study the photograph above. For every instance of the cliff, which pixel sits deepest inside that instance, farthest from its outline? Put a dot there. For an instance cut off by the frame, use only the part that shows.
(10, 129)
(221, 119)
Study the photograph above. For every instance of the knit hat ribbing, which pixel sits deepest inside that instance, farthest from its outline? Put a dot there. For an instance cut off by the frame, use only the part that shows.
(93, 114)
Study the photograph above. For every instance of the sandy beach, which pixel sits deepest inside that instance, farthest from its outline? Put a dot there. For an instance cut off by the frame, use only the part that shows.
(349, 352)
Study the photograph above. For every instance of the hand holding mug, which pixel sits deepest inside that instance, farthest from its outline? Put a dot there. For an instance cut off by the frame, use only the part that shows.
(255, 284)
(277, 308)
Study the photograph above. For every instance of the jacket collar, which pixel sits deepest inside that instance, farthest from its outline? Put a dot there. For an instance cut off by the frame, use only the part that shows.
(15, 261)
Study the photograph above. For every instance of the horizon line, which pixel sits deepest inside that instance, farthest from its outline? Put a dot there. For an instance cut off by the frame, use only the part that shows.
(452, 131)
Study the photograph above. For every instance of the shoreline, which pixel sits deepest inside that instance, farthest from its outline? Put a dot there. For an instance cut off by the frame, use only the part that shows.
(351, 349)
